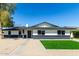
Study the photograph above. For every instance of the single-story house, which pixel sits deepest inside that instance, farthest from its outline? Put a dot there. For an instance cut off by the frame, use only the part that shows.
(42, 30)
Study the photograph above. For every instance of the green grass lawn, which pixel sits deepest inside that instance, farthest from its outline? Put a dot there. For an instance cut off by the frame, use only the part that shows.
(60, 44)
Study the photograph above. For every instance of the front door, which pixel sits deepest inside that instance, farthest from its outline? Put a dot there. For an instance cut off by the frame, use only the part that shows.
(29, 33)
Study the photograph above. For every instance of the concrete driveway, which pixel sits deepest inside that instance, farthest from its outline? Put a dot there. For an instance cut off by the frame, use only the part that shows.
(9, 45)
(21, 47)
(30, 47)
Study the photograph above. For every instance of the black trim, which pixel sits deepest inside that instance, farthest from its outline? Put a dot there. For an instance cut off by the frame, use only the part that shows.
(61, 32)
(50, 37)
(29, 33)
(41, 32)
(12, 36)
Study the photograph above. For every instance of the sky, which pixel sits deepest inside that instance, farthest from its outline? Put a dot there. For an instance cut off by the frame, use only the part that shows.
(61, 14)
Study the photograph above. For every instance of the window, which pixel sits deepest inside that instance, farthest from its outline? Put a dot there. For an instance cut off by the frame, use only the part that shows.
(61, 32)
(41, 32)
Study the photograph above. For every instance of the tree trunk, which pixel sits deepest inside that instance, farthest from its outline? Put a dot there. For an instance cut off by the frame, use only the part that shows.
(1, 34)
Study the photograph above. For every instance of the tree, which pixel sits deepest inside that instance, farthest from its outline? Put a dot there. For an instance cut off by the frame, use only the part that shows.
(6, 10)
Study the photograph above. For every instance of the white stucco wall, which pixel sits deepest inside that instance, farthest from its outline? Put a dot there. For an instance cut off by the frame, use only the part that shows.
(67, 32)
(35, 32)
(51, 32)
(5, 32)
(14, 32)
(25, 32)
(47, 32)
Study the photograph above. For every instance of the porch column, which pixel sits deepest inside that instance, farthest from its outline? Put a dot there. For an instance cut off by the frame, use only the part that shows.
(22, 33)
(71, 35)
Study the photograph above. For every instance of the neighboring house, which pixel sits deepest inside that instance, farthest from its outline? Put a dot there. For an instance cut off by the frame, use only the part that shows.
(43, 30)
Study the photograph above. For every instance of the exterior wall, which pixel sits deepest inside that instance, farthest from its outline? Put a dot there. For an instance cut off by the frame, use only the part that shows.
(15, 32)
(51, 32)
(67, 32)
(35, 32)
(5, 32)
(25, 32)
(12, 32)
(47, 32)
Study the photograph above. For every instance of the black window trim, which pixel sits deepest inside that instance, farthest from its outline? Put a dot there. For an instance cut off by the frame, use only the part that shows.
(41, 32)
(62, 32)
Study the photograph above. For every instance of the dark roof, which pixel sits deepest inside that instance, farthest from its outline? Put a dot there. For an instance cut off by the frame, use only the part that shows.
(10, 28)
(51, 25)
(59, 28)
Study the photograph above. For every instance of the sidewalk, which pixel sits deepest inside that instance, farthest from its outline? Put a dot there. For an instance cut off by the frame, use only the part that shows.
(77, 40)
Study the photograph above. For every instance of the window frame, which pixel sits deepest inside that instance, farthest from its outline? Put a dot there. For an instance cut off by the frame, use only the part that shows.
(41, 32)
(62, 32)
